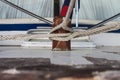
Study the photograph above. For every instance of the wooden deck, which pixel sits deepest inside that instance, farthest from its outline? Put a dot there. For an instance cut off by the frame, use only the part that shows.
(44, 64)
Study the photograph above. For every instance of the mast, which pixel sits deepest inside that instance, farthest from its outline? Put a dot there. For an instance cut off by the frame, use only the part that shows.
(62, 45)
(56, 7)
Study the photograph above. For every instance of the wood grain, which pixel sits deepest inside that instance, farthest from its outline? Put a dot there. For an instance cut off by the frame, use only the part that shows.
(60, 45)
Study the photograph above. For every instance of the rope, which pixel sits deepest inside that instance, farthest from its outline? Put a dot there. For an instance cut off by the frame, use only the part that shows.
(63, 36)
(89, 32)
(62, 25)
(30, 36)
(65, 19)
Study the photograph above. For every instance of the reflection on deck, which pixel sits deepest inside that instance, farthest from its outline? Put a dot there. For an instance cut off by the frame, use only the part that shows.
(78, 56)
(44, 64)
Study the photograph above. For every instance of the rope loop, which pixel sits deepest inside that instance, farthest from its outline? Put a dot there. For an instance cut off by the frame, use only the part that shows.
(62, 25)
(63, 36)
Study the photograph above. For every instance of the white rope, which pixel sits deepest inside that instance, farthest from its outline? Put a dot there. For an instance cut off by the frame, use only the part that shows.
(62, 25)
(89, 32)
(30, 36)
(66, 20)
(62, 37)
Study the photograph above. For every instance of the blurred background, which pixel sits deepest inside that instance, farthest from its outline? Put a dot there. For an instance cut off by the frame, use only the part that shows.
(90, 9)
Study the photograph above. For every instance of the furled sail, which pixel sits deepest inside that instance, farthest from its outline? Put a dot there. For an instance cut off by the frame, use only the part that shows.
(43, 8)
(98, 9)
(90, 9)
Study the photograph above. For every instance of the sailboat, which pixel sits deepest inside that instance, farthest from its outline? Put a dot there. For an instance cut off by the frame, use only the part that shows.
(8, 26)
(40, 62)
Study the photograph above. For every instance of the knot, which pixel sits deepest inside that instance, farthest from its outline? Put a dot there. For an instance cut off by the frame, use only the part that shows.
(62, 25)
(65, 23)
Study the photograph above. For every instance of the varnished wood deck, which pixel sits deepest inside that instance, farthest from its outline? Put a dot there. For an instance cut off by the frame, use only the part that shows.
(44, 64)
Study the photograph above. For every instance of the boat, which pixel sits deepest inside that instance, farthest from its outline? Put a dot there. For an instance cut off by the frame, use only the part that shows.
(92, 57)
(8, 26)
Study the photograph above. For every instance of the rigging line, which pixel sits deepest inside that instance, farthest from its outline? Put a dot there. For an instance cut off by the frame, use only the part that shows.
(77, 7)
(105, 21)
(27, 12)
